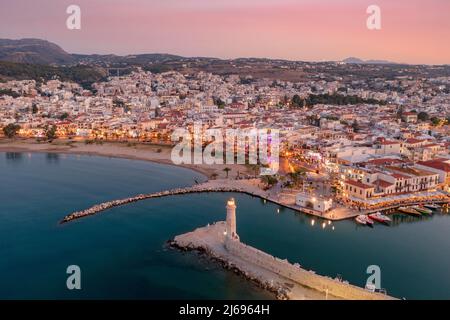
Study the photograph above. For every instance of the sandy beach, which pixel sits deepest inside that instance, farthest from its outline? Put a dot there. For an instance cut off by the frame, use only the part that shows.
(136, 151)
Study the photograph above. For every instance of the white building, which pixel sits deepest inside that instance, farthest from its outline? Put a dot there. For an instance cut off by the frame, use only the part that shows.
(309, 201)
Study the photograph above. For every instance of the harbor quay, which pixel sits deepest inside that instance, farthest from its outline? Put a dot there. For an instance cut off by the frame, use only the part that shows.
(249, 187)
(221, 242)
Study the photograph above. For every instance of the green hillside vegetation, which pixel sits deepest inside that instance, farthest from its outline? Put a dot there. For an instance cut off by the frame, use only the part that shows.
(332, 99)
(8, 92)
(83, 75)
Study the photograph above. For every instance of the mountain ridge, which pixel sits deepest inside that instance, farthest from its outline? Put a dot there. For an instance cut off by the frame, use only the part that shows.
(355, 60)
(38, 51)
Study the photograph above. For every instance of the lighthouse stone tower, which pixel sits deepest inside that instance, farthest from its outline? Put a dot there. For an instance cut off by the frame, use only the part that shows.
(231, 220)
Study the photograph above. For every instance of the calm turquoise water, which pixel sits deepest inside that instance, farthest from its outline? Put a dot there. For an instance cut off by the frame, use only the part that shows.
(122, 252)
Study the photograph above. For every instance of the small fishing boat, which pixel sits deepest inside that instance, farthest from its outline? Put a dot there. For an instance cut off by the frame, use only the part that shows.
(364, 220)
(422, 210)
(431, 206)
(409, 210)
(361, 220)
(378, 216)
(371, 287)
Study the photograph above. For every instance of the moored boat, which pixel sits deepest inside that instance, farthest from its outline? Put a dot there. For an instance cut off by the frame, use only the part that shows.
(364, 220)
(409, 210)
(371, 287)
(422, 210)
(378, 216)
(361, 220)
(431, 206)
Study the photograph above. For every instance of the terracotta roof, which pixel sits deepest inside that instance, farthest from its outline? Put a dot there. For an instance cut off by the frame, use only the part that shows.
(412, 171)
(413, 141)
(438, 164)
(358, 184)
(400, 176)
(389, 142)
(383, 183)
(385, 161)
(432, 145)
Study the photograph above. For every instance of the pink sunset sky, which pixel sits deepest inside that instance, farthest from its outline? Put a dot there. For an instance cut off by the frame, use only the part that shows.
(413, 31)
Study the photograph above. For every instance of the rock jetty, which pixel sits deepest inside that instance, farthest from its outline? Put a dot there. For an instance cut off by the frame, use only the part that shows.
(116, 203)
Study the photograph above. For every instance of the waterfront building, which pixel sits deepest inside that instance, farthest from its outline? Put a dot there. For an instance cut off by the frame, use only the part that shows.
(308, 201)
(384, 180)
(440, 166)
(357, 189)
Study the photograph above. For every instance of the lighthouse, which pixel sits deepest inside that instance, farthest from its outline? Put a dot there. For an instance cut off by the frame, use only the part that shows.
(231, 220)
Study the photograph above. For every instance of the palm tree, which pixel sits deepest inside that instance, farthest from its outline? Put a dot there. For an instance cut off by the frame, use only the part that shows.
(214, 176)
(282, 179)
(227, 170)
(270, 181)
(297, 177)
(254, 167)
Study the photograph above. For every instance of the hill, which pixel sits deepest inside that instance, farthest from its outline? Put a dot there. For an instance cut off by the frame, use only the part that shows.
(354, 60)
(34, 51)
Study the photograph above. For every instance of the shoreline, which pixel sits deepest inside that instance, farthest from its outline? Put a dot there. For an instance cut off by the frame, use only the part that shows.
(161, 155)
(100, 154)
(220, 186)
(120, 150)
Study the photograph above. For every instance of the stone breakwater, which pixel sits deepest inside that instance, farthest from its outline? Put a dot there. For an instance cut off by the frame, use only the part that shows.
(213, 186)
(279, 291)
(286, 280)
(116, 203)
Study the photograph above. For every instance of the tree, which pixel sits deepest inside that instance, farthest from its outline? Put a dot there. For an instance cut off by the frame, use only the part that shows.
(334, 190)
(297, 177)
(254, 167)
(9, 92)
(219, 103)
(34, 109)
(10, 130)
(435, 121)
(331, 118)
(400, 112)
(214, 176)
(355, 126)
(64, 116)
(50, 132)
(227, 170)
(269, 180)
(314, 120)
(297, 102)
(423, 116)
